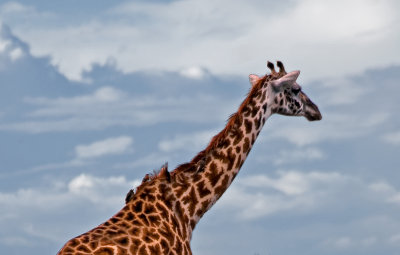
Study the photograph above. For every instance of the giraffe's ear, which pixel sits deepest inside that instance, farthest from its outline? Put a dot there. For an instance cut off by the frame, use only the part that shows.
(253, 78)
(287, 80)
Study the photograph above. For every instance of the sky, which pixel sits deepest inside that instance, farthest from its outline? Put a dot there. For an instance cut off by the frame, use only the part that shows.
(95, 94)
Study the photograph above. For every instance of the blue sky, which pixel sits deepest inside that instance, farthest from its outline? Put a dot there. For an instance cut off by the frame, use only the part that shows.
(95, 94)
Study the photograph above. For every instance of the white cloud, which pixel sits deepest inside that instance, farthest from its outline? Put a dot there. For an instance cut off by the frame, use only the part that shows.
(289, 183)
(193, 72)
(57, 166)
(392, 138)
(16, 54)
(105, 95)
(98, 189)
(260, 195)
(343, 242)
(369, 241)
(149, 161)
(14, 8)
(22, 211)
(395, 239)
(16, 240)
(80, 182)
(109, 191)
(85, 152)
(359, 17)
(257, 204)
(192, 142)
(110, 146)
(389, 193)
(339, 243)
(109, 107)
(3, 44)
(342, 91)
(263, 195)
(334, 125)
(205, 33)
(7, 47)
(347, 242)
(381, 187)
(296, 155)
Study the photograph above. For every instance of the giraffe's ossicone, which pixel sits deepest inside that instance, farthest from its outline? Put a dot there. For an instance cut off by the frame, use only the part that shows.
(160, 216)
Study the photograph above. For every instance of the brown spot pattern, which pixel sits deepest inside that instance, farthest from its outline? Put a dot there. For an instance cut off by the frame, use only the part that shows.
(160, 216)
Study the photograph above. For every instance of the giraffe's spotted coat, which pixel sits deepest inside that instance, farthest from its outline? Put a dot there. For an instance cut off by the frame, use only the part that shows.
(160, 216)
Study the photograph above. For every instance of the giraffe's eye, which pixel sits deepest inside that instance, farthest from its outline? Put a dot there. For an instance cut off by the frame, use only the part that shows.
(296, 90)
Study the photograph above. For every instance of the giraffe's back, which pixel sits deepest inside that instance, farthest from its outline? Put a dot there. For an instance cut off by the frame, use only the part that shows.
(141, 227)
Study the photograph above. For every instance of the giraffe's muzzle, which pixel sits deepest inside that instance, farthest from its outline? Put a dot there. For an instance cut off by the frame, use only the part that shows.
(312, 112)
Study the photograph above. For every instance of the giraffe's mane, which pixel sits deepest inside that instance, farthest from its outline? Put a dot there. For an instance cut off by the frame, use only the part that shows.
(150, 177)
(215, 141)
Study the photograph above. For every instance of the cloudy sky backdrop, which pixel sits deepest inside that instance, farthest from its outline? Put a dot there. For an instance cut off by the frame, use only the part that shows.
(95, 94)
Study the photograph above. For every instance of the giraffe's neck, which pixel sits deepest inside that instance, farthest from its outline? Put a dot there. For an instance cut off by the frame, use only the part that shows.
(160, 216)
(214, 169)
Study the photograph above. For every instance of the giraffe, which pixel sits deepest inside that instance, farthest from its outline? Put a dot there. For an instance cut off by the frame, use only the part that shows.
(160, 216)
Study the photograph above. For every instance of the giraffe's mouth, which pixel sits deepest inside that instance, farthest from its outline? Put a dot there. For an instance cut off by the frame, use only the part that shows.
(312, 112)
(313, 117)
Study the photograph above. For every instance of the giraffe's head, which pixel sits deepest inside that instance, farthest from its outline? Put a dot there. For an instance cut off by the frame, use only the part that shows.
(286, 95)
